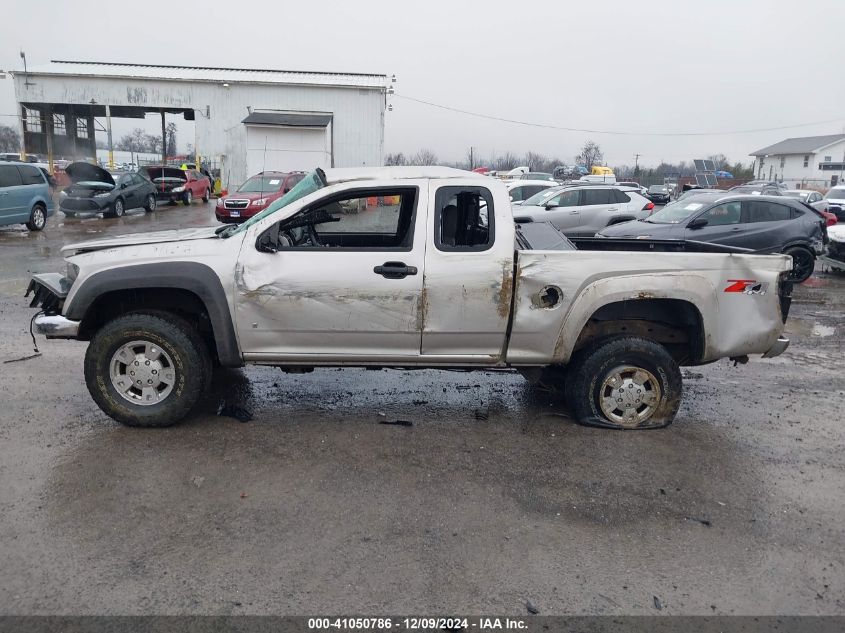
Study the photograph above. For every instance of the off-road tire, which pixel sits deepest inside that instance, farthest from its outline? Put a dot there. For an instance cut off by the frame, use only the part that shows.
(177, 338)
(37, 218)
(150, 205)
(207, 195)
(803, 263)
(187, 198)
(589, 368)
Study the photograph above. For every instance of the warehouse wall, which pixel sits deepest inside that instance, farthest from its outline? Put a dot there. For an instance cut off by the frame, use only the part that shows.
(358, 125)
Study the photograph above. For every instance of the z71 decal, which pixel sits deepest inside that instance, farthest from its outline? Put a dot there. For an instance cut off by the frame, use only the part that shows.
(747, 286)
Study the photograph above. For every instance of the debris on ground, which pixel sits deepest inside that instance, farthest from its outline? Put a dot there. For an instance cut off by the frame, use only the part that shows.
(691, 375)
(234, 411)
(397, 422)
(482, 414)
(531, 608)
(657, 604)
(244, 495)
(17, 360)
(417, 403)
(699, 520)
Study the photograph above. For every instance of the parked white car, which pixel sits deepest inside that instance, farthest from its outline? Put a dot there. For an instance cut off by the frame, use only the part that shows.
(584, 210)
(808, 196)
(520, 190)
(836, 199)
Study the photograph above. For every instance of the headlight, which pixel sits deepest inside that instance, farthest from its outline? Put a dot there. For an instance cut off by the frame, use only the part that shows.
(104, 194)
(259, 202)
(219, 202)
(72, 271)
(63, 194)
(178, 189)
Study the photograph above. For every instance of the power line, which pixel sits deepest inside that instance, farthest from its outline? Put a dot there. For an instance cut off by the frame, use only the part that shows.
(611, 132)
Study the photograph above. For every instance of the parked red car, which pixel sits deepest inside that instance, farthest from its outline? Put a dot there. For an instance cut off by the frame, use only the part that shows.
(177, 185)
(256, 194)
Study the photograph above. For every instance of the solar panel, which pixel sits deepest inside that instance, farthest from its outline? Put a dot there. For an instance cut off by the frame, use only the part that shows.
(699, 165)
(701, 181)
(709, 165)
(711, 181)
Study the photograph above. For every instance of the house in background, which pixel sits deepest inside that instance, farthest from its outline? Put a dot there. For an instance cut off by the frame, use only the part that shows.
(809, 161)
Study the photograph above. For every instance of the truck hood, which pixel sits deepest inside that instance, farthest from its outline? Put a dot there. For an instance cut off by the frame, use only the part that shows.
(86, 172)
(156, 237)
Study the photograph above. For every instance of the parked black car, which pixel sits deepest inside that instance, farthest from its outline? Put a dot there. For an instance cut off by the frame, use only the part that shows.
(764, 224)
(95, 190)
(659, 194)
(760, 188)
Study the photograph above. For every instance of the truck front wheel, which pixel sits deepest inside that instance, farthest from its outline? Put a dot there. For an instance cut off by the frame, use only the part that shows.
(146, 369)
(624, 383)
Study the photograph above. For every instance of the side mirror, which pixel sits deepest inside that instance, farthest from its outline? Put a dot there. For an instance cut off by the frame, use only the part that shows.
(698, 223)
(550, 206)
(124, 185)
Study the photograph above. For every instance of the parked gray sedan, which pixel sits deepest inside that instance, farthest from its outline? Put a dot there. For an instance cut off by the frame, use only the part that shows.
(95, 190)
(760, 223)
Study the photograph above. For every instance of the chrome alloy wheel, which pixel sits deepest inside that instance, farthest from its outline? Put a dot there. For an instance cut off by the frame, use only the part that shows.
(629, 395)
(142, 373)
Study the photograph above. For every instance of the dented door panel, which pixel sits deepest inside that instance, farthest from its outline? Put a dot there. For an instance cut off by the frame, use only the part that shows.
(330, 301)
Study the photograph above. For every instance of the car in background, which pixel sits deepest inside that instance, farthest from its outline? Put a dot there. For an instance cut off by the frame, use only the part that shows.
(537, 175)
(633, 185)
(96, 190)
(173, 184)
(764, 224)
(659, 194)
(695, 192)
(255, 195)
(815, 200)
(759, 188)
(24, 196)
(836, 202)
(521, 190)
(581, 211)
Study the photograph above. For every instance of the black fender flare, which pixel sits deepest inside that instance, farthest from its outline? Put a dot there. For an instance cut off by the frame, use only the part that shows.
(191, 276)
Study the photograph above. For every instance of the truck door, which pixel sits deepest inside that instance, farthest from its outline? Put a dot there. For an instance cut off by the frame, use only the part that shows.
(349, 287)
(468, 274)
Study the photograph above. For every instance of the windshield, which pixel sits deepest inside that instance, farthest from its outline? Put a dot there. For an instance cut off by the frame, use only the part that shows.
(658, 188)
(675, 212)
(314, 181)
(257, 184)
(797, 194)
(538, 199)
(835, 194)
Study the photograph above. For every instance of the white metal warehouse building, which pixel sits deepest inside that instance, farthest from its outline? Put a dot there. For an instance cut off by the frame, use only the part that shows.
(246, 119)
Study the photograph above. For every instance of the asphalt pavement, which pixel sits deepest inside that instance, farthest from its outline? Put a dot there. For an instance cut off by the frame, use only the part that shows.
(485, 496)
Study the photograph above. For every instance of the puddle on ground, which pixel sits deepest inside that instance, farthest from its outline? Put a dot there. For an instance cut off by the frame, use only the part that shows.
(822, 330)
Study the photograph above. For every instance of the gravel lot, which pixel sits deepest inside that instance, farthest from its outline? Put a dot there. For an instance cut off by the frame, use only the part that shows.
(315, 506)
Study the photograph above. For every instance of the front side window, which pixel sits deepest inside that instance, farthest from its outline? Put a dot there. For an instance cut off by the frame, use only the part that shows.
(517, 194)
(377, 219)
(30, 175)
(464, 219)
(722, 214)
(566, 198)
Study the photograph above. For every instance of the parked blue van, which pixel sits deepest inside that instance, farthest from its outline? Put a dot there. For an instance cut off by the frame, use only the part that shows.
(24, 196)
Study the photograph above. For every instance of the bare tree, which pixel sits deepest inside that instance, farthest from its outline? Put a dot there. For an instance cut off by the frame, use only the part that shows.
(10, 140)
(506, 161)
(170, 133)
(395, 159)
(153, 143)
(719, 160)
(535, 161)
(424, 157)
(135, 141)
(590, 155)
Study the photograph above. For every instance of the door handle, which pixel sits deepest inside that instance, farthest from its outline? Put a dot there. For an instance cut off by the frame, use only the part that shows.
(395, 270)
(573, 212)
(614, 209)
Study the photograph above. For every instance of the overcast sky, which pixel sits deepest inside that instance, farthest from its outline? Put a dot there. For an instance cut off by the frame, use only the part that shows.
(639, 67)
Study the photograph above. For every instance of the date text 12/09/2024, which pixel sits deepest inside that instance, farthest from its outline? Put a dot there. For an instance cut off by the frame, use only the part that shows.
(418, 623)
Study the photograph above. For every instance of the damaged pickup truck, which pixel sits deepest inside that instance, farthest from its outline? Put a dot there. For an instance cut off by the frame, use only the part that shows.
(431, 271)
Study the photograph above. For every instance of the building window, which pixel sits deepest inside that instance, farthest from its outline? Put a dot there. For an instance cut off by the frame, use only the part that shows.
(827, 159)
(807, 161)
(81, 128)
(32, 120)
(59, 124)
(782, 161)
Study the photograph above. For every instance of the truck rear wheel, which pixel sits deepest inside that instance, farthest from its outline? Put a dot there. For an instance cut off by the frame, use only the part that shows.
(146, 369)
(624, 382)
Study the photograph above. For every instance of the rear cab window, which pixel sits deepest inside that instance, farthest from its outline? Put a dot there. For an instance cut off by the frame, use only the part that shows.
(464, 219)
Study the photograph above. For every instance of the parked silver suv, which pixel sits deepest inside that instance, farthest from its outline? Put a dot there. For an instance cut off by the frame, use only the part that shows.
(583, 210)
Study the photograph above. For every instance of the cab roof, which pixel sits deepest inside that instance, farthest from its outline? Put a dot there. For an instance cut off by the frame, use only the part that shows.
(346, 174)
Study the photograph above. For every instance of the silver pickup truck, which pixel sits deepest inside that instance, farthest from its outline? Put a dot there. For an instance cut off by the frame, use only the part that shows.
(407, 267)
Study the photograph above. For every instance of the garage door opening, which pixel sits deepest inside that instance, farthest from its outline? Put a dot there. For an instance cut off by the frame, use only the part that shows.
(288, 141)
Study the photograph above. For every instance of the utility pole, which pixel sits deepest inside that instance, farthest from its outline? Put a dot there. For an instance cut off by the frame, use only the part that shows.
(636, 161)
(471, 158)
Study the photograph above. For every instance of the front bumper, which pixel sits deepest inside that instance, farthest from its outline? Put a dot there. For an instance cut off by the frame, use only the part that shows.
(83, 205)
(778, 348)
(56, 326)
